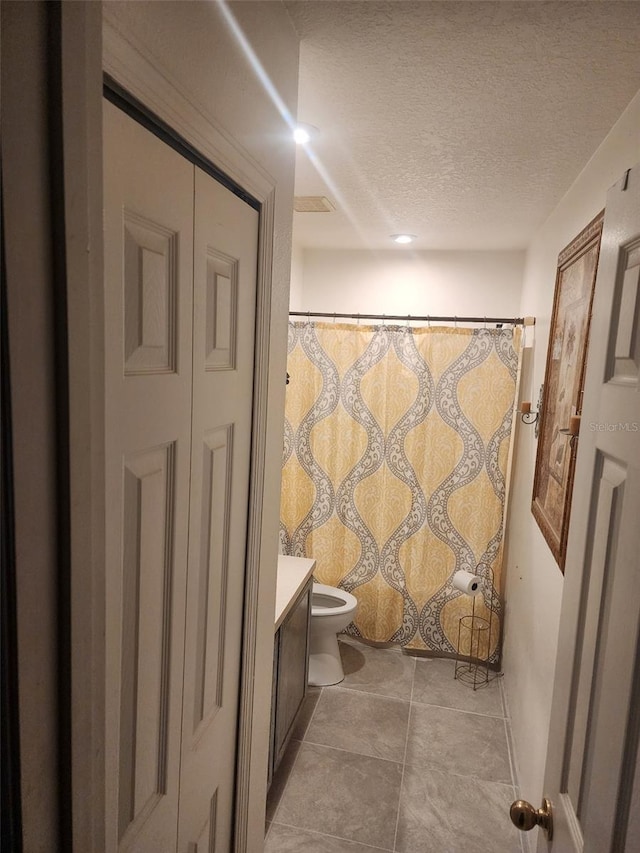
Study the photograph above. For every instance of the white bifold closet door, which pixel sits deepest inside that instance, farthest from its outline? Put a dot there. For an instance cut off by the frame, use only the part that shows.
(180, 277)
(225, 260)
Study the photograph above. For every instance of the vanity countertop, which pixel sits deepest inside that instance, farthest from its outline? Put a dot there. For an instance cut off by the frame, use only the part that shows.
(293, 573)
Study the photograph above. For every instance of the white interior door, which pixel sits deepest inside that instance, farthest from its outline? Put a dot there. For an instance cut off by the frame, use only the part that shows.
(592, 776)
(225, 266)
(148, 240)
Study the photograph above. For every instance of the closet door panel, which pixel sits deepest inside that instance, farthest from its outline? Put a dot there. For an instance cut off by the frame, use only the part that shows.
(225, 262)
(148, 230)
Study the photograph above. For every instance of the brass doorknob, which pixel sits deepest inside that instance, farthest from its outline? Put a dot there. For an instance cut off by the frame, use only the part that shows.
(525, 817)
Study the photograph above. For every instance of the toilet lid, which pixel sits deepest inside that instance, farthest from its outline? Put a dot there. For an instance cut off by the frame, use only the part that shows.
(331, 601)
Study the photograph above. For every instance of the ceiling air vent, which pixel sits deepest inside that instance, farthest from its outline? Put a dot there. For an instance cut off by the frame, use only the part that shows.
(312, 204)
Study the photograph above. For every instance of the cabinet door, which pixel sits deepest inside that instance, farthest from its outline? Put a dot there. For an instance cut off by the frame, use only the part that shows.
(292, 670)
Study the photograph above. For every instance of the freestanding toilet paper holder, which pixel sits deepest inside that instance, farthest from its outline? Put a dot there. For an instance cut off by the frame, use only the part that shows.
(474, 636)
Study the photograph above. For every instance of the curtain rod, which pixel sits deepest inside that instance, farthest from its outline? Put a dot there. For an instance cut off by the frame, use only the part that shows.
(516, 321)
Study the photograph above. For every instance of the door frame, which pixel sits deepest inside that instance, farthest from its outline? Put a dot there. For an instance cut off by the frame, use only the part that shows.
(55, 240)
(93, 46)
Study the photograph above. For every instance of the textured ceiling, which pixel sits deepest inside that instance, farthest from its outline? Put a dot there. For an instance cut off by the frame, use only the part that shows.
(461, 122)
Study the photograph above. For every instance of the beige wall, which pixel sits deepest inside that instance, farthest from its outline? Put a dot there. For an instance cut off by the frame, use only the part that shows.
(533, 581)
(409, 282)
(297, 275)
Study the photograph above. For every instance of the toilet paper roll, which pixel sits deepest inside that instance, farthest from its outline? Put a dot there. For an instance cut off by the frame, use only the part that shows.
(467, 583)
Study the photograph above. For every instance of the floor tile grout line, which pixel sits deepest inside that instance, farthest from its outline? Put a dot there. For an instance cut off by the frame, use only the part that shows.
(428, 767)
(369, 693)
(351, 752)
(524, 842)
(403, 763)
(503, 696)
(342, 686)
(336, 837)
(524, 839)
(510, 743)
(461, 710)
(507, 735)
(404, 759)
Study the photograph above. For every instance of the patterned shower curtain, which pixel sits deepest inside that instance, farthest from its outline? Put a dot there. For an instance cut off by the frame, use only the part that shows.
(395, 456)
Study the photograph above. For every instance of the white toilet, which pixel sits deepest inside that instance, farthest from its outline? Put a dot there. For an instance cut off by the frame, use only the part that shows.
(331, 610)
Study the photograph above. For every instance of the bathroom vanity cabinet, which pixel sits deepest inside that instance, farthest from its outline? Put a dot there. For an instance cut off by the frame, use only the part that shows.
(290, 652)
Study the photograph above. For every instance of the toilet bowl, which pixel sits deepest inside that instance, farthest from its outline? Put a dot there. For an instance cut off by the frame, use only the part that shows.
(331, 610)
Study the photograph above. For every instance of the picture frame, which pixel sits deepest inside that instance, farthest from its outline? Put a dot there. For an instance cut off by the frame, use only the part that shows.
(564, 385)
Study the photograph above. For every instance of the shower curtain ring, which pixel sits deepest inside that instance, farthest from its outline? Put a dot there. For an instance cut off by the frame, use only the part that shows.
(485, 321)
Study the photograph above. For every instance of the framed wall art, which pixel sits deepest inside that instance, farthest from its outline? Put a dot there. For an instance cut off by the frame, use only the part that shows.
(563, 386)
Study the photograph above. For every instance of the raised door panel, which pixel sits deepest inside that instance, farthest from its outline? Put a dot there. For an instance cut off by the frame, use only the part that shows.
(626, 361)
(225, 259)
(150, 296)
(148, 231)
(206, 840)
(221, 310)
(147, 569)
(213, 576)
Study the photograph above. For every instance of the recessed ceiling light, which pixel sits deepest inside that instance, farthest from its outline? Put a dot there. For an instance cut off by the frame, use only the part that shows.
(403, 238)
(304, 133)
(301, 135)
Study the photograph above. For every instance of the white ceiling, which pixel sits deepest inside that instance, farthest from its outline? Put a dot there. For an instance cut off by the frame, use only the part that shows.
(461, 122)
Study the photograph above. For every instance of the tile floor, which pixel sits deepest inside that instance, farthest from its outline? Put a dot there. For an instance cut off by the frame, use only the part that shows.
(399, 757)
